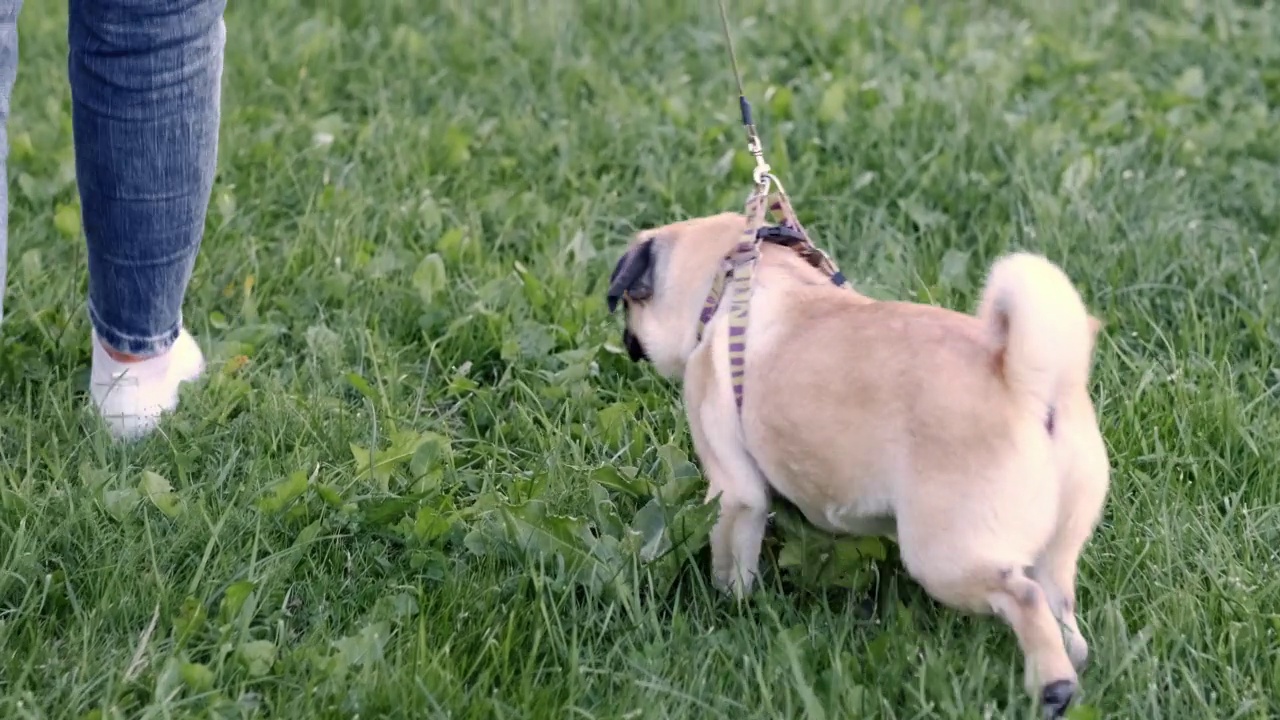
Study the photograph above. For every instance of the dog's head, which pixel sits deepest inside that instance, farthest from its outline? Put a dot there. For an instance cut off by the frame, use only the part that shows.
(663, 279)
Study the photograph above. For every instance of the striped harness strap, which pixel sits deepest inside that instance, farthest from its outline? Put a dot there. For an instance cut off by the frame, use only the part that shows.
(737, 271)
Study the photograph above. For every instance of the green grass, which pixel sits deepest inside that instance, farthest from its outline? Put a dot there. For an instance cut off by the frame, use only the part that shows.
(529, 543)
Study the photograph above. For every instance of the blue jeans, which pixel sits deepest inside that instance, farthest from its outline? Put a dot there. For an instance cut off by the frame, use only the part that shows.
(146, 81)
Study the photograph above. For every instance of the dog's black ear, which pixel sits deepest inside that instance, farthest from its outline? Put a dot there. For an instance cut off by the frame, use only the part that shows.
(633, 275)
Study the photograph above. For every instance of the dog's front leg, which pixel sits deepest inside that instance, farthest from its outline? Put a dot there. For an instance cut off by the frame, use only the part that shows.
(739, 531)
(732, 477)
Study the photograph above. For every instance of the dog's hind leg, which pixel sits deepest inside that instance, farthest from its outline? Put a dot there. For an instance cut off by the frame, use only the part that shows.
(1083, 496)
(986, 574)
(1019, 600)
(1022, 603)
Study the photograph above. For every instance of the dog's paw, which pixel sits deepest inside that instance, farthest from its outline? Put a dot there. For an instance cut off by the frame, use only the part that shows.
(722, 573)
(722, 582)
(734, 581)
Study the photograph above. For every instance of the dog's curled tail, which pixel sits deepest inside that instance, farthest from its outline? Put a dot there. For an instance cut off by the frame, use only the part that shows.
(1042, 333)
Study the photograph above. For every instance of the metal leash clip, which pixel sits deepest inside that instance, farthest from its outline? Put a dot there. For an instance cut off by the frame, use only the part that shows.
(762, 174)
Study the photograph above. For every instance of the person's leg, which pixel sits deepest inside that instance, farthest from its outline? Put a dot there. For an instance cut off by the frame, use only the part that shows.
(145, 86)
(8, 73)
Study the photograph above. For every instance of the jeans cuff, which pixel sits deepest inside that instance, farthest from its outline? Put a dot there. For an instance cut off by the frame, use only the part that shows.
(132, 344)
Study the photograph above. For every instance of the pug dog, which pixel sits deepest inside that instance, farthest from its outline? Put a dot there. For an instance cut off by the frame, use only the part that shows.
(969, 439)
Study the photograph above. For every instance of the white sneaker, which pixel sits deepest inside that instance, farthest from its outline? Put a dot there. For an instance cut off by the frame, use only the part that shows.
(131, 397)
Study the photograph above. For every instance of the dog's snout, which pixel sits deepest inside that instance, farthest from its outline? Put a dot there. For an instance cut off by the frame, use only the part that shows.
(634, 349)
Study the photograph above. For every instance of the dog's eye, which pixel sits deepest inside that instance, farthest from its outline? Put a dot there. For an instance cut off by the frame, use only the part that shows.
(639, 293)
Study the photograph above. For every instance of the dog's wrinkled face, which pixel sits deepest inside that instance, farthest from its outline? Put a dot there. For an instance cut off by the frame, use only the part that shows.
(662, 280)
(632, 282)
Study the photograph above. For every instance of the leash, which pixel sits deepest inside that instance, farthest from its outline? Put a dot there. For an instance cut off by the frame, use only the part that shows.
(737, 269)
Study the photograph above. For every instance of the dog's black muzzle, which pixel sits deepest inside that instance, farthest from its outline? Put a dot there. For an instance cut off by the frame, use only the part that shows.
(634, 349)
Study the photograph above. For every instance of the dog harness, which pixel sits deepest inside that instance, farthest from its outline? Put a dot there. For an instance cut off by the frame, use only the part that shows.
(737, 269)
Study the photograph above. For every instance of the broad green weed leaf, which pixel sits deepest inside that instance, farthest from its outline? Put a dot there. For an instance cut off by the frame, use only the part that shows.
(531, 526)
(363, 387)
(676, 463)
(430, 278)
(954, 273)
(168, 681)
(365, 648)
(1083, 712)
(37, 190)
(379, 465)
(409, 40)
(792, 554)
(190, 618)
(385, 513)
(257, 656)
(430, 523)
(681, 489)
(432, 451)
(581, 248)
(330, 495)
(650, 525)
(32, 264)
(457, 146)
(606, 514)
(430, 564)
(380, 473)
(225, 202)
(21, 146)
(476, 542)
(323, 342)
(535, 340)
(120, 503)
(1191, 84)
(831, 108)
(400, 606)
(234, 599)
(1078, 174)
(161, 494)
(534, 290)
(612, 422)
(279, 494)
(306, 536)
(924, 217)
(683, 482)
(453, 244)
(197, 676)
(672, 456)
(692, 524)
(611, 478)
(460, 384)
(67, 220)
(93, 477)
(850, 560)
(780, 102)
(859, 549)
